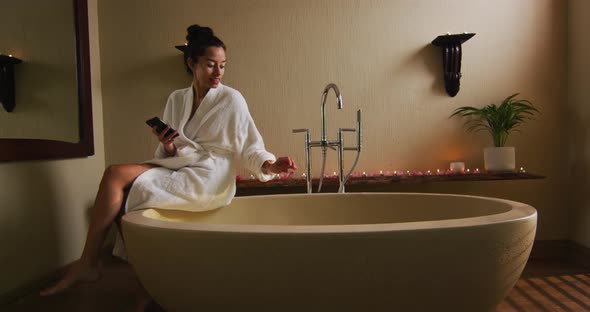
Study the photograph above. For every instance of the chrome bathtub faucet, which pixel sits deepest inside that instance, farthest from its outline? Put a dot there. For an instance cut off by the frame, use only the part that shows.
(325, 143)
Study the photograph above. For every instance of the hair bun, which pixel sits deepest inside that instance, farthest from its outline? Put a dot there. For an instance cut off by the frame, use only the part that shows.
(197, 33)
(199, 39)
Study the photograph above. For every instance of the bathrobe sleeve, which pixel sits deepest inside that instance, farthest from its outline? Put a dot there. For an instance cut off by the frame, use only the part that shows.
(248, 144)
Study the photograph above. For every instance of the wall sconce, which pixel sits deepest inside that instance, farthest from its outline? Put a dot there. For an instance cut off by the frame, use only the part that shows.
(182, 47)
(451, 52)
(7, 63)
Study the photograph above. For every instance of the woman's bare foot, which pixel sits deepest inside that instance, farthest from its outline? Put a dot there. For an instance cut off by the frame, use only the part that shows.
(146, 305)
(144, 302)
(79, 271)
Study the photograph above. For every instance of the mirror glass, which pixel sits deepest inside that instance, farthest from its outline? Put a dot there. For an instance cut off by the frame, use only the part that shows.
(52, 88)
(45, 82)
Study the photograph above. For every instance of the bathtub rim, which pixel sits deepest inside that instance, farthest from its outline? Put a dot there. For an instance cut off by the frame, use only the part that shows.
(519, 212)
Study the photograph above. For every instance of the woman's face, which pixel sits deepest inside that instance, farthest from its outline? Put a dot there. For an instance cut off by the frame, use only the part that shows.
(209, 68)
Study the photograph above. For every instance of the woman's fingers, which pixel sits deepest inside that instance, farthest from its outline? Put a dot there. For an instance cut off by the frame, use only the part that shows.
(171, 137)
(162, 137)
(291, 164)
(283, 164)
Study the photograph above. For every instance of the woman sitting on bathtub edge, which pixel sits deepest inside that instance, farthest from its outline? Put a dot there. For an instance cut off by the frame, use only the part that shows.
(192, 171)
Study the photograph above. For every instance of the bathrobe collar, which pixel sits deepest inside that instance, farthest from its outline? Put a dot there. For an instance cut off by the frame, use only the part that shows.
(209, 104)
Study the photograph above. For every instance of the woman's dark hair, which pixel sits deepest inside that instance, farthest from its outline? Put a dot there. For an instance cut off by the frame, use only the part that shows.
(198, 40)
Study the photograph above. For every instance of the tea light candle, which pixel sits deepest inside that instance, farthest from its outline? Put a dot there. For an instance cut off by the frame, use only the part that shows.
(457, 166)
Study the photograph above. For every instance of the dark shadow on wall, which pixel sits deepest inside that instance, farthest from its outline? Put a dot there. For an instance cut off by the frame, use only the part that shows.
(430, 58)
(29, 235)
(579, 171)
(163, 76)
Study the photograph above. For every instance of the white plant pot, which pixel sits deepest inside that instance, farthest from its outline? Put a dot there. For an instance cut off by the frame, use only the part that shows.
(499, 159)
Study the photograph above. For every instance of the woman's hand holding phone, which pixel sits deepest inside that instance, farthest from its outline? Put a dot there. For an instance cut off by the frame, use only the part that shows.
(165, 134)
(167, 140)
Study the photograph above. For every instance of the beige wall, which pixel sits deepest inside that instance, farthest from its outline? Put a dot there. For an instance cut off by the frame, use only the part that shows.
(282, 53)
(579, 118)
(44, 207)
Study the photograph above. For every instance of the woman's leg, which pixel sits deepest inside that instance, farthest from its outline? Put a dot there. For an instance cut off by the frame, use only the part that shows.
(106, 207)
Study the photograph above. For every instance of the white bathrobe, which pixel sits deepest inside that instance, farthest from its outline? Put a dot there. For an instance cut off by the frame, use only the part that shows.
(202, 174)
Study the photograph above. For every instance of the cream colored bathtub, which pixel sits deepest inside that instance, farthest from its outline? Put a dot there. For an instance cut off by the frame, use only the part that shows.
(334, 252)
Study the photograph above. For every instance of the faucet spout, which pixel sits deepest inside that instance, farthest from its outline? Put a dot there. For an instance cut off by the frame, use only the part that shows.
(324, 143)
(323, 107)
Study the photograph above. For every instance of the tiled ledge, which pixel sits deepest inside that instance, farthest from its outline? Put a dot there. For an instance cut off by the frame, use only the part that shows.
(283, 186)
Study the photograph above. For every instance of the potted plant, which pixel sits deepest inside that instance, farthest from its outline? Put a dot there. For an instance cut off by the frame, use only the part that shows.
(499, 121)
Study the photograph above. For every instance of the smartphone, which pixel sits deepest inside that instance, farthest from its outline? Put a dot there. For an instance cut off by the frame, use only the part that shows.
(160, 125)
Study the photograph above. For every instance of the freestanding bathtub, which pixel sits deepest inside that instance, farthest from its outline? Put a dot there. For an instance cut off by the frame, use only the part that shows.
(333, 252)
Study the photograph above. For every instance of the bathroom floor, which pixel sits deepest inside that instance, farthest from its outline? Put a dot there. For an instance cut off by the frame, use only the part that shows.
(544, 286)
(549, 286)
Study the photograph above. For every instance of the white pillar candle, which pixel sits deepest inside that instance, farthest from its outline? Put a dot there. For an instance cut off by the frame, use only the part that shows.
(457, 167)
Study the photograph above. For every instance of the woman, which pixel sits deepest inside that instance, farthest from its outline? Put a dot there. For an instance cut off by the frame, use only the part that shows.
(192, 171)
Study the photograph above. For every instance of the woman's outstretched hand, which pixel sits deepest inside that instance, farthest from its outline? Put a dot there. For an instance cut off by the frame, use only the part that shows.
(282, 164)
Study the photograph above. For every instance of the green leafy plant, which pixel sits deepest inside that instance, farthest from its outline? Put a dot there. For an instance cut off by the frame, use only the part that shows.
(499, 121)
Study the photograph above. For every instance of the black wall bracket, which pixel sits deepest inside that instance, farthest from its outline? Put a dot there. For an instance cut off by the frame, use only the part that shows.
(7, 93)
(182, 47)
(451, 53)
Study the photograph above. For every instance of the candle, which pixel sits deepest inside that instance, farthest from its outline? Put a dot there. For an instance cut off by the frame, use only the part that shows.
(457, 167)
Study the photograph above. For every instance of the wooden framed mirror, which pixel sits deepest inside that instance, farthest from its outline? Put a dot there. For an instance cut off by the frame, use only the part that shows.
(20, 149)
